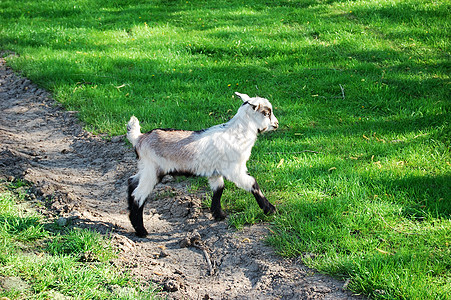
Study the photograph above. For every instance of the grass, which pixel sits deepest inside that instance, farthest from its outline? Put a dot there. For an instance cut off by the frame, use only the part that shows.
(360, 167)
(47, 261)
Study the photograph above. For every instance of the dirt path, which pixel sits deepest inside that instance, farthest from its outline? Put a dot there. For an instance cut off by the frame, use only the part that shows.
(86, 176)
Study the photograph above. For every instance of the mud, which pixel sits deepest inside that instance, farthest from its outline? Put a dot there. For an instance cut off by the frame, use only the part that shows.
(82, 177)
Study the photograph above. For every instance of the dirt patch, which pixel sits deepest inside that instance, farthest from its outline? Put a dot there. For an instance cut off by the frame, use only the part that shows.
(186, 252)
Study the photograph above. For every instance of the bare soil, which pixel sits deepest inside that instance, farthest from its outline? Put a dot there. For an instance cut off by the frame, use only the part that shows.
(82, 177)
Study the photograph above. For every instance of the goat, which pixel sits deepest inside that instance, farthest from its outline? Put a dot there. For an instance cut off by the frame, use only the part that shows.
(218, 152)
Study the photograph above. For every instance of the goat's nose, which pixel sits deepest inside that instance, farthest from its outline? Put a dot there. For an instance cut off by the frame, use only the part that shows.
(275, 124)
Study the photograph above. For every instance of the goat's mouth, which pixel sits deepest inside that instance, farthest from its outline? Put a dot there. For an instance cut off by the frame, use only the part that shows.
(270, 128)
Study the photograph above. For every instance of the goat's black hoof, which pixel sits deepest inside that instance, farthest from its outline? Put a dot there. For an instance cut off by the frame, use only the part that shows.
(141, 232)
(138, 225)
(269, 210)
(219, 215)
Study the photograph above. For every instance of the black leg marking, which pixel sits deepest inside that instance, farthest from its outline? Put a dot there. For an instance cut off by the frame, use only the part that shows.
(136, 212)
(264, 204)
(132, 185)
(216, 209)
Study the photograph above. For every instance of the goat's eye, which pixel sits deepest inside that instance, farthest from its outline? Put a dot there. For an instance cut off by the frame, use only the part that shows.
(266, 113)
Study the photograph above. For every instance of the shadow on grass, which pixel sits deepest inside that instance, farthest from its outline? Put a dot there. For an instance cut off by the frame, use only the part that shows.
(425, 196)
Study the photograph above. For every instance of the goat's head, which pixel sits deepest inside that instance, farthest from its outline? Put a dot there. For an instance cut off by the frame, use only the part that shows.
(261, 112)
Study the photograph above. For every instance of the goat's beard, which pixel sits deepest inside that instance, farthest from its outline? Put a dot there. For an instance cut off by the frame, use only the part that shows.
(262, 130)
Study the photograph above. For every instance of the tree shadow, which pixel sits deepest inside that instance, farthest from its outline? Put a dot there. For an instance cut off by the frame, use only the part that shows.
(427, 196)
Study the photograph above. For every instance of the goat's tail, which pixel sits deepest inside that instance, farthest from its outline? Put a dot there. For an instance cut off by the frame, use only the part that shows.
(133, 130)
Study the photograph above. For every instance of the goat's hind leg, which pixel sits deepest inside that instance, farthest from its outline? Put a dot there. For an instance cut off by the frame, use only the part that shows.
(139, 188)
(217, 186)
(136, 212)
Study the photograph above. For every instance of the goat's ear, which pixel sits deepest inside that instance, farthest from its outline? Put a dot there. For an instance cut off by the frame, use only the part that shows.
(243, 97)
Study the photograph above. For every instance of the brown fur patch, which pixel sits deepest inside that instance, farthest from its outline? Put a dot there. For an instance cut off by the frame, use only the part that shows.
(175, 145)
(265, 110)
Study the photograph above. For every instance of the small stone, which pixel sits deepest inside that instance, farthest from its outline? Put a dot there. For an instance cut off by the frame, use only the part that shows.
(167, 179)
(117, 139)
(185, 243)
(61, 221)
(195, 236)
(170, 286)
(163, 253)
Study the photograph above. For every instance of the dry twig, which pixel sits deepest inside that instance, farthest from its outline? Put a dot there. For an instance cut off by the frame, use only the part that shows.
(342, 91)
(408, 233)
(298, 152)
(207, 257)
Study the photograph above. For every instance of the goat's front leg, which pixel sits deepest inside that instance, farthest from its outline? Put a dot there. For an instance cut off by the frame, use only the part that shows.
(264, 204)
(217, 186)
(249, 184)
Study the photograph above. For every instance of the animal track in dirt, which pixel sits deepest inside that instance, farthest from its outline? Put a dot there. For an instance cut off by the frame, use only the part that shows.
(187, 253)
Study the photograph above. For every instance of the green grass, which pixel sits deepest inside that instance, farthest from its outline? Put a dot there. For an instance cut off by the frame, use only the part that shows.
(52, 261)
(360, 167)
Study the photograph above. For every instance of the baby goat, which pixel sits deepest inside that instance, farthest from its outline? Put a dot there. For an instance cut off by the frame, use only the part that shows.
(218, 152)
